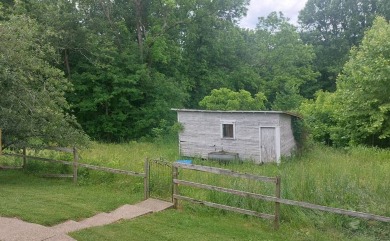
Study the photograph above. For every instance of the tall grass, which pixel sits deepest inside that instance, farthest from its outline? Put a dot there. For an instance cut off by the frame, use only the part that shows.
(129, 156)
(357, 178)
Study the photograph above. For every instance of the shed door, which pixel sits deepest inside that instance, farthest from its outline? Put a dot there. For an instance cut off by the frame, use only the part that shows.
(268, 144)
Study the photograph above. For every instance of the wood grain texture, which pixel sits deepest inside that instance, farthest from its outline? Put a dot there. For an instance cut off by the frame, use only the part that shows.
(202, 133)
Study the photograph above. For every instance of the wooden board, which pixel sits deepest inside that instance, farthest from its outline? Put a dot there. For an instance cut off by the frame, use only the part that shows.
(267, 144)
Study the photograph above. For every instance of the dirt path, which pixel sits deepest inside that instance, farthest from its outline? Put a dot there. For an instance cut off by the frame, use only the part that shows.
(12, 229)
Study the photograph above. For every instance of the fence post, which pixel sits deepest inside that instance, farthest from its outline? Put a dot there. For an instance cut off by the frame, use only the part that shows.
(1, 144)
(277, 204)
(175, 189)
(24, 157)
(75, 164)
(146, 179)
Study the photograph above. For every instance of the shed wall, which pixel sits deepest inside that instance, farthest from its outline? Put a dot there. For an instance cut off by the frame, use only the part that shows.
(287, 140)
(202, 133)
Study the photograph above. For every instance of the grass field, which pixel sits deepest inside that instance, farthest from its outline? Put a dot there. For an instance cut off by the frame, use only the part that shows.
(356, 179)
(207, 225)
(49, 201)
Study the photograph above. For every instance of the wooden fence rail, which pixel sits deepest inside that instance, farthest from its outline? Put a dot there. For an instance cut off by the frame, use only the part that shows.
(276, 199)
(286, 201)
(332, 210)
(225, 207)
(1, 144)
(176, 182)
(98, 168)
(39, 158)
(227, 172)
(76, 164)
(176, 196)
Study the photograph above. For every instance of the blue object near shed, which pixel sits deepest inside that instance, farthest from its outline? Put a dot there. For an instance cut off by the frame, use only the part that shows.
(184, 161)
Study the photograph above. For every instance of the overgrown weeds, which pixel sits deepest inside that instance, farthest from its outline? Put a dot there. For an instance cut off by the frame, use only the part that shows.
(357, 178)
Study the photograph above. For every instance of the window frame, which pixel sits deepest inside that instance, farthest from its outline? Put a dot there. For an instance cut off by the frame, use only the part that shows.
(228, 122)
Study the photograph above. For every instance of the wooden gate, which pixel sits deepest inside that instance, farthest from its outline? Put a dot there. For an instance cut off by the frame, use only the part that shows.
(159, 175)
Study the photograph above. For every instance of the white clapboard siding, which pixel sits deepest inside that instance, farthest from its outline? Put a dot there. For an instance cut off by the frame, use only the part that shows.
(202, 132)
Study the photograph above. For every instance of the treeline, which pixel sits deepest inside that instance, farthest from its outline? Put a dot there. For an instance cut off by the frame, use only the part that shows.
(127, 62)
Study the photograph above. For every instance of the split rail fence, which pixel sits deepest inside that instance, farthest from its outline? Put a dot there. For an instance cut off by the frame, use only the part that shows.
(275, 199)
(76, 164)
(219, 171)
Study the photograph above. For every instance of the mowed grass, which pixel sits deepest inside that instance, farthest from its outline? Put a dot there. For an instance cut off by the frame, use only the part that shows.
(50, 201)
(27, 195)
(205, 225)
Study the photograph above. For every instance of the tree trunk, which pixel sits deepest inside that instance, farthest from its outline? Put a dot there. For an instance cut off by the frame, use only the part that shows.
(66, 62)
(140, 27)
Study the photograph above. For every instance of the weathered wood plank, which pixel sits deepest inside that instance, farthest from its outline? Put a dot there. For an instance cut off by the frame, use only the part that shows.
(175, 189)
(62, 149)
(225, 207)
(24, 157)
(58, 175)
(112, 170)
(277, 204)
(146, 179)
(75, 164)
(10, 167)
(202, 132)
(40, 159)
(334, 210)
(225, 172)
(288, 202)
(99, 168)
(224, 190)
(1, 144)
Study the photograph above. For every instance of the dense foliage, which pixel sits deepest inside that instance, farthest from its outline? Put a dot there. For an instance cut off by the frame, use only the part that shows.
(32, 91)
(363, 89)
(333, 27)
(130, 62)
(359, 111)
(226, 99)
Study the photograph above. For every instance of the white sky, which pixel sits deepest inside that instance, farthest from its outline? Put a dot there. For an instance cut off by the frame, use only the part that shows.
(261, 8)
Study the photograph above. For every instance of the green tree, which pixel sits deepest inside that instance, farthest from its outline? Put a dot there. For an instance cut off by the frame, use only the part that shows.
(333, 27)
(131, 61)
(123, 59)
(212, 46)
(32, 104)
(282, 61)
(320, 116)
(226, 99)
(124, 87)
(363, 89)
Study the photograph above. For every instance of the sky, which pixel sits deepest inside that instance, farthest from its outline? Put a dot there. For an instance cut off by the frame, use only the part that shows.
(261, 8)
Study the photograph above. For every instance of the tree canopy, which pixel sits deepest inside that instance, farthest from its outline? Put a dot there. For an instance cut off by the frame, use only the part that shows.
(363, 88)
(333, 27)
(359, 111)
(32, 103)
(118, 66)
(283, 62)
(226, 99)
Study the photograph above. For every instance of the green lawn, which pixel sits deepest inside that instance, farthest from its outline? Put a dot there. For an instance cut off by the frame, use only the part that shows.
(49, 201)
(206, 225)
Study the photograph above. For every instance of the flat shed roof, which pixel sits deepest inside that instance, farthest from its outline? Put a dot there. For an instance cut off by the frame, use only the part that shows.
(238, 111)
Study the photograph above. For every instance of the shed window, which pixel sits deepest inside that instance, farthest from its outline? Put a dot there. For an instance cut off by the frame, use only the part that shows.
(227, 130)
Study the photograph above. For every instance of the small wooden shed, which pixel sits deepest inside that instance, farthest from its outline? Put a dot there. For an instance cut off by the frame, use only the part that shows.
(259, 136)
